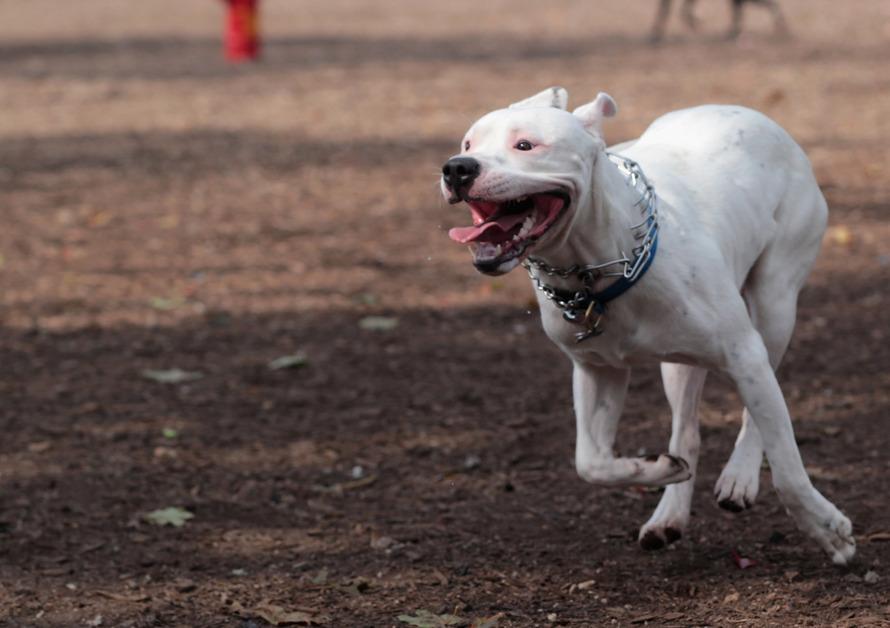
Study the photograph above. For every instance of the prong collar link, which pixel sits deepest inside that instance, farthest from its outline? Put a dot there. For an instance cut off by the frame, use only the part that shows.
(587, 307)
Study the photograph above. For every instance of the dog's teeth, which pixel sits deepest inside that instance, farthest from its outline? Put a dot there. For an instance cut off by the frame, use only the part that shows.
(485, 250)
(527, 225)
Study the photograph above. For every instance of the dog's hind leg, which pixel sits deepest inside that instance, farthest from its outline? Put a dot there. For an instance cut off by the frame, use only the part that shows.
(779, 23)
(773, 308)
(599, 394)
(688, 13)
(683, 385)
(779, 274)
(735, 28)
(661, 18)
(747, 363)
(770, 294)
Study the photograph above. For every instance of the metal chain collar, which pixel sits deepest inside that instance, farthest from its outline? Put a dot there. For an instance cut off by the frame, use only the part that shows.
(582, 306)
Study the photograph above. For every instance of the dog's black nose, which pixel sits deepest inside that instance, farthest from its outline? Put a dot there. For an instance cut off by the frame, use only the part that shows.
(460, 172)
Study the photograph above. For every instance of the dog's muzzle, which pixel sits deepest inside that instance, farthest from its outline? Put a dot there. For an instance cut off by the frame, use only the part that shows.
(504, 229)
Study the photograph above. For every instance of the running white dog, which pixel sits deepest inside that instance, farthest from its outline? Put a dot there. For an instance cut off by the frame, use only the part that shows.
(699, 269)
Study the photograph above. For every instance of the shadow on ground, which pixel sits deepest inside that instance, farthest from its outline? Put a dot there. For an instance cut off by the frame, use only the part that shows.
(201, 58)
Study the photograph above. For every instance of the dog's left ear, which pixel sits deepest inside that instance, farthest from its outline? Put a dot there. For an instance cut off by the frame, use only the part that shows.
(553, 97)
(592, 114)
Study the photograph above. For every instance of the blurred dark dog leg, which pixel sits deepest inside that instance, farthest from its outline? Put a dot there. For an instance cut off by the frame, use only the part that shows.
(780, 25)
(661, 17)
(735, 28)
(688, 13)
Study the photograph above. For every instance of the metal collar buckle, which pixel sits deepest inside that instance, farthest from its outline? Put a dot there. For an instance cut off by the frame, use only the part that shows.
(592, 319)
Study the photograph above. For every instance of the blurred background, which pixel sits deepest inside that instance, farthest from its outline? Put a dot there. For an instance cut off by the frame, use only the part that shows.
(174, 223)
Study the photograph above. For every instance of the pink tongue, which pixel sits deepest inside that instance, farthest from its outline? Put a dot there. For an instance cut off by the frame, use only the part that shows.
(470, 234)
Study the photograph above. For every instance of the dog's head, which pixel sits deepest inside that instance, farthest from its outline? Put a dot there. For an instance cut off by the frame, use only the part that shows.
(524, 171)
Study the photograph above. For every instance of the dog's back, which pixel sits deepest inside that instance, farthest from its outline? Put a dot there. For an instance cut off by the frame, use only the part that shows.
(770, 186)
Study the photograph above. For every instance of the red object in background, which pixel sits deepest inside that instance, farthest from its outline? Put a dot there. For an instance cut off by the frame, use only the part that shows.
(242, 30)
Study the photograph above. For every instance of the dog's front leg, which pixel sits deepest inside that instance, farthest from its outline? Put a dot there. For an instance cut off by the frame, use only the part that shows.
(749, 367)
(683, 385)
(599, 399)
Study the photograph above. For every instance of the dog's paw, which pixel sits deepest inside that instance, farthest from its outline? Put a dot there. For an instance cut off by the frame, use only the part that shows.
(655, 470)
(819, 519)
(736, 489)
(656, 537)
(667, 523)
(665, 469)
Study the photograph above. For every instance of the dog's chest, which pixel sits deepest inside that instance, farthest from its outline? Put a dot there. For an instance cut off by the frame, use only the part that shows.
(621, 343)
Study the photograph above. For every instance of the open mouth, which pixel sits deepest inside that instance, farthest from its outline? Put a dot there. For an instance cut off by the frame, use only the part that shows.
(503, 230)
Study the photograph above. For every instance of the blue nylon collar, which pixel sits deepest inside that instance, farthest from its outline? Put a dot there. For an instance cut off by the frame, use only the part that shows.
(585, 302)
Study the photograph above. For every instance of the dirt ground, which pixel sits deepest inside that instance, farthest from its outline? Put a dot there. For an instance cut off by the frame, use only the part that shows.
(164, 210)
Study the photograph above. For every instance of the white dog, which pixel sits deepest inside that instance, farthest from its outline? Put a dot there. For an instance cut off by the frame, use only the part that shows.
(699, 270)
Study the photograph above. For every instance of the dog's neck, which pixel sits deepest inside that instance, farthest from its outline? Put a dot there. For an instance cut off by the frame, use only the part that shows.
(601, 228)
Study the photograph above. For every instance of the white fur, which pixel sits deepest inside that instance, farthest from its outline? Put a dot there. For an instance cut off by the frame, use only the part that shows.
(741, 219)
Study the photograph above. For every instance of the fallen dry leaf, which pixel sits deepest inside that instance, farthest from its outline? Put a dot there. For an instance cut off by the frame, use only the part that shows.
(184, 585)
(171, 376)
(382, 542)
(172, 516)
(440, 578)
(673, 616)
(95, 622)
(122, 597)
(840, 234)
(169, 432)
(583, 586)
(166, 304)
(378, 323)
(321, 577)
(39, 446)
(425, 619)
(294, 361)
(487, 622)
(340, 487)
(280, 616)
(741, 562)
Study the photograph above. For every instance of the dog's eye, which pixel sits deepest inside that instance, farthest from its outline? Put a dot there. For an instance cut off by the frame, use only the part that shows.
(467, 145)
(524, 145)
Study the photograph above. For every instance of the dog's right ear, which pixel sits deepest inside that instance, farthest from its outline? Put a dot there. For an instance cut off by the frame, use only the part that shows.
(553, 97)
(592, 114)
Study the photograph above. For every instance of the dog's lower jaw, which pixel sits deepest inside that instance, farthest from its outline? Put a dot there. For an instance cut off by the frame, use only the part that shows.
(516, 225)
(496, 267)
